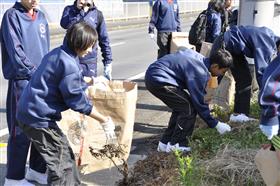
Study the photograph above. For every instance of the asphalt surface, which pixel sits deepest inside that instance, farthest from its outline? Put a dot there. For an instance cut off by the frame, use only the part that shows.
(133, 51)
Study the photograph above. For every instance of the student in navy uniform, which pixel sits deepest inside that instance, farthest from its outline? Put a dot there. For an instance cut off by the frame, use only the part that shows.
(214, 21)
(259, 43)
(269, 103)
(179, 80)
(56, 86)
(269, 99)
(165, 18)
(226, 15)
(24, 40)
(85, 10)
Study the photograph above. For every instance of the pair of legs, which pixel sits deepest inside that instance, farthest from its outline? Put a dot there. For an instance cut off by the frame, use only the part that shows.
(18, 143)
(243, 84)
(242, 76)
(182, 120)
(53, 146)
(163, 41)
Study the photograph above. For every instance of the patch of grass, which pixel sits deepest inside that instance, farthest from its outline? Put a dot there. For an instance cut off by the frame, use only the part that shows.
(208, 141)
(255, 109)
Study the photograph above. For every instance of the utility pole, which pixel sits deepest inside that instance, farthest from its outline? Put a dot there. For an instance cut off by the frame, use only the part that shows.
(256, 12)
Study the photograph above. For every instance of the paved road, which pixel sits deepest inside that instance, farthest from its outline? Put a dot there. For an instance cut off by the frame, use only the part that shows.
(132, 51)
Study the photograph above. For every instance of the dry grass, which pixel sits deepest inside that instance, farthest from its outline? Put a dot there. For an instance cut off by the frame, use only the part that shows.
(233, 167)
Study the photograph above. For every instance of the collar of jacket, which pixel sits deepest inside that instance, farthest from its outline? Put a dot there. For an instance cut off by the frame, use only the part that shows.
(21, 8)
(68, 50)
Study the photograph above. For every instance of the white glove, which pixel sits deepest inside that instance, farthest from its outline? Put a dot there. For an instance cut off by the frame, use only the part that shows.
(109, 129)
(152, 35)
(223, 127)
(269, 131)
(108, 71)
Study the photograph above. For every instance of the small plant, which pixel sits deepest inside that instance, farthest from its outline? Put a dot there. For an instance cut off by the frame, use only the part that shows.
(220, 113)
(190, 174)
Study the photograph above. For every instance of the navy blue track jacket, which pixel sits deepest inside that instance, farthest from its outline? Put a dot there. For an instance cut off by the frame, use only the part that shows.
(93, 17)
(185, 69)
(56, 86)
(165, 16)
(21, 52)
(214, 25)
(254, 42)
(269, 96)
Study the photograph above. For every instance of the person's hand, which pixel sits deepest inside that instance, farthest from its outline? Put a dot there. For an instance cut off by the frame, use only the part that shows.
(108, 71)
(269, 131)
(152, 35)
(223, 127)
(109, 129)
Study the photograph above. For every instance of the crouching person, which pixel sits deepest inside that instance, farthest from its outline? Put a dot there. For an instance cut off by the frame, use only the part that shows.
(270, 103)
(58, 85)
(179, 80)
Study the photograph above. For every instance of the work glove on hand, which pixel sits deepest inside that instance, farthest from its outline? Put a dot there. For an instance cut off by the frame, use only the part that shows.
(223, 127)
(109, 129)
(108, 71)
(152, 35)
(269, 131)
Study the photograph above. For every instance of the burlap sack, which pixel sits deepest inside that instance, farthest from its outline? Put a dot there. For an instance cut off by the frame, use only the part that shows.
(269, 166)
(179, 39)
(118, 102)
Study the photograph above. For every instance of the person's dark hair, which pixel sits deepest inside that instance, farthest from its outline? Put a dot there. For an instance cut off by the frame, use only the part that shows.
(80, 36)
(217, 5)
(222, 58)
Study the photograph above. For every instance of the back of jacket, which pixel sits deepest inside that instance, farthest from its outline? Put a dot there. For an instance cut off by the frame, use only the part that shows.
(254, 42)
(269, 96)
(165, 16)
(185, 69)
(214, 25)
(24, 42)
(56, 85)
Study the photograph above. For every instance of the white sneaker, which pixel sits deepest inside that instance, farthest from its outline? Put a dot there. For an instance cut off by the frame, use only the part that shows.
(33, 175)
(161, 147)
(23, 182)
(175, 147)
(240, 118)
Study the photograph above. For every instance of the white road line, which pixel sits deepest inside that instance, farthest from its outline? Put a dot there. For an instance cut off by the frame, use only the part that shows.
(136, 76)
(5, 131)
(117, 44)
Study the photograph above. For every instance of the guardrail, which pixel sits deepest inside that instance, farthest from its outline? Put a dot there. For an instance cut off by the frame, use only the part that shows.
(112, 9)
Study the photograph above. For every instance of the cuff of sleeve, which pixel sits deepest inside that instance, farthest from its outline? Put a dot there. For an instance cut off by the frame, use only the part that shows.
(269, 121)
(88, 110)
(107, 63)
(213, 123)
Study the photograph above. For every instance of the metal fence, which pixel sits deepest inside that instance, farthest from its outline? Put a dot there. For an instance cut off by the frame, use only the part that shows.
(112, 9)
